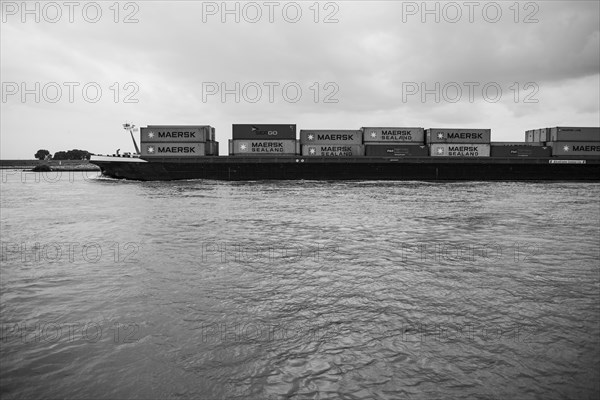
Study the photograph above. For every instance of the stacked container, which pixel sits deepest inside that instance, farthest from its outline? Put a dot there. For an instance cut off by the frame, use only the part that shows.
(567, 142)
(458, 142)
(519, 149)
(395, 142)
(263, 140)
(331, 143)
(178, 141)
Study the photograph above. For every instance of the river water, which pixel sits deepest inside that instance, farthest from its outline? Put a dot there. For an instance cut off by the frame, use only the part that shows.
(301, 290)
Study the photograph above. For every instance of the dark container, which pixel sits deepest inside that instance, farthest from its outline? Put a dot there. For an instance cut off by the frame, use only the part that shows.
(396, 150)
(520, 151)
(263, 132)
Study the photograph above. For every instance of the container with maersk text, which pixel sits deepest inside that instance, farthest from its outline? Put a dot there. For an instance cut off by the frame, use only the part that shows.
(163, 133)
(174, 149)
(340, 137)
(333, 150)
(396, 135)
(262, 147)
(459, 150)
(442, 135)
(396, 150)
(574, 134)
(567, 149)
(263, 132)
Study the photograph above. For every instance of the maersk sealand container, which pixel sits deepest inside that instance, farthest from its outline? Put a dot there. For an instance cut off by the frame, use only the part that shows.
(458, 135)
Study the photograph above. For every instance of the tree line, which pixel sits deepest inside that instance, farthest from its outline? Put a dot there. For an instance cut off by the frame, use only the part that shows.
(74, 154)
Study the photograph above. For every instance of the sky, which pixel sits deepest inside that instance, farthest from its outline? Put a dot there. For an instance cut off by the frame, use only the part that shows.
(73, 72)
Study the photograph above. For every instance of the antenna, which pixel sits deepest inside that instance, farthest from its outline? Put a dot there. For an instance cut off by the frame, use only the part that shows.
(129, 127)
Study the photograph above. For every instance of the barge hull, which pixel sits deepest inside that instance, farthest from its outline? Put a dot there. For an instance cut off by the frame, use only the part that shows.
(363, 168)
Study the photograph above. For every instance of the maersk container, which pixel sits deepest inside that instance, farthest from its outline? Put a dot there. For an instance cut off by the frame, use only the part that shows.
(263, 132)
(174, 149)
(175, 133)
(574, 134)
(269, 147)
(567, 149)
(333, 150)
(396, 150)
(341, 137)
(398, 135)
(459, 150)
(520, 151)
(441, 135)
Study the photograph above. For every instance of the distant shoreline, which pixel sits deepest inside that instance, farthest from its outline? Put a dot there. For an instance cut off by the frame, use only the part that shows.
(55, 165)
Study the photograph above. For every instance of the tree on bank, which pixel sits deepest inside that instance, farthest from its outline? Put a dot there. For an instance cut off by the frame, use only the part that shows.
(42, 154)
(72, 155)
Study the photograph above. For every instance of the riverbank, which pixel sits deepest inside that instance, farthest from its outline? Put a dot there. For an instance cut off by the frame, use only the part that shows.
(54, 165)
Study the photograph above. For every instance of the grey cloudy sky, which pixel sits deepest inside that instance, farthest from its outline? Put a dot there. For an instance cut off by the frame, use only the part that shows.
(167, 62)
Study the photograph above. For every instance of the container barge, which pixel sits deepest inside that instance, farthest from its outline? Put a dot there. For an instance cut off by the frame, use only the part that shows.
(172, 153)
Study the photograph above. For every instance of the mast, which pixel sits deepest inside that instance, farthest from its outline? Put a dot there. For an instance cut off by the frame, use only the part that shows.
(129, 127)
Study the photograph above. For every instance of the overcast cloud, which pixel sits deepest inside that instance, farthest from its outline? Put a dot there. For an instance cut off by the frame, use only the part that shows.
(373, 61)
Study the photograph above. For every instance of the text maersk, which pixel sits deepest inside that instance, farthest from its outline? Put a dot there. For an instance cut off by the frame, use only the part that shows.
(396, 135)
(586, 148)
(176, 149)
(276, 147)
(464, 135)
(187, 134)
(463, 150)
(335, 137)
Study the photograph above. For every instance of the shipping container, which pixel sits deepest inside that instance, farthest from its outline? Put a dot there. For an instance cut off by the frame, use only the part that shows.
(212, 133)
(520, 151)
(345, 137)
(536, 136)
(544, 135)
(516, 144)
(440, 135)
(574, 134)
(412, 135)
(575, 149)
(175, 133)
(269, 147)
(333, 150)
(263, 132)
(529, 136)
(174, 149)
(459, 150)
(396, 150)
(212, 148)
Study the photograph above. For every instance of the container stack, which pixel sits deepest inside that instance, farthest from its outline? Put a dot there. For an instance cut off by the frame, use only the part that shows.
(458, 142)
(178, 141)
(519, 149)
(331, 143)
(569, 142)
(395, 142)
(263, 140)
